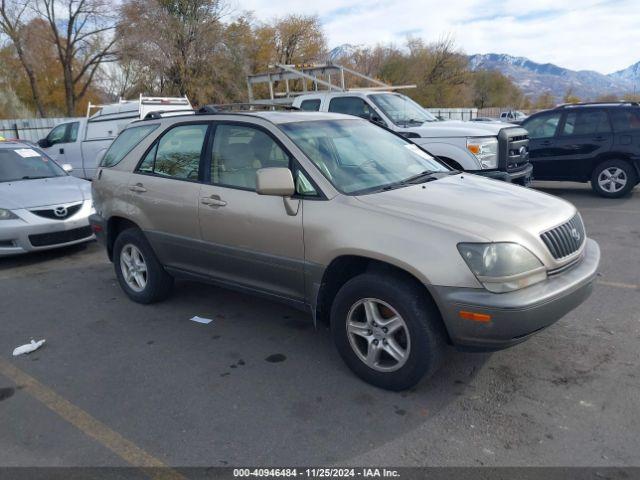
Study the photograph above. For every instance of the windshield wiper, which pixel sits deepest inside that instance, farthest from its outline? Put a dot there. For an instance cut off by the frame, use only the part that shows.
(28, 177)
(426, 176)
(410, 121)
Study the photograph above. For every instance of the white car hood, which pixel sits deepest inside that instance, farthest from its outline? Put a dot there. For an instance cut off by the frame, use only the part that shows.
(456, 128)
(43, 192)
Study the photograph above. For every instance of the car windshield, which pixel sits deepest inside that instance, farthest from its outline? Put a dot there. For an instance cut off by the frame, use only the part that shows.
(25, 163)
(358, 157)
(402, 110)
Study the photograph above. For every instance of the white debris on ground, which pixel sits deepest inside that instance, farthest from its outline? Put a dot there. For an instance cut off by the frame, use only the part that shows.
(198, 319)
(28, 348)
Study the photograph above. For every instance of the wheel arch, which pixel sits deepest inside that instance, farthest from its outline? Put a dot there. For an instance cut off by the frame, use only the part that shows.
(115, 225)
(345, 267)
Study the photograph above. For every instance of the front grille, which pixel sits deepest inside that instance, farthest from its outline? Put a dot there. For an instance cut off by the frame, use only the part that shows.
(566, 239)
(513, 146)
(63, 213)
(55, 238)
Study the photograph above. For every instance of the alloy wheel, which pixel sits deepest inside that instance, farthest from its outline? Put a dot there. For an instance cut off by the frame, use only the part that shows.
(133, 267)
(612, 179)
(378, 335)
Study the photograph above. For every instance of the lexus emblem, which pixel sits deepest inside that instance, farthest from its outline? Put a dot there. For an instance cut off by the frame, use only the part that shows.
(575, 234)
(60, 212)
(523, 152)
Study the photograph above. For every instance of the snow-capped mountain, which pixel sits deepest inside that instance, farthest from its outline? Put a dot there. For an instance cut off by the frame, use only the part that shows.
(535, 78)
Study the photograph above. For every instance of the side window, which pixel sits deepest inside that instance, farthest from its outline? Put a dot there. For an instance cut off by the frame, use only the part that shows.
(310, 105)
(625, 119)
(147, 164)
(543, 126)
(57, 134)
(239, 151)
(351, 106)
(125, 142)
(178, 152)
(72, 132)
(304, 187)
(586, 122)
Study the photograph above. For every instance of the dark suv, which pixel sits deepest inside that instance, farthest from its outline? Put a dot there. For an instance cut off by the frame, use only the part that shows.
(596, 142)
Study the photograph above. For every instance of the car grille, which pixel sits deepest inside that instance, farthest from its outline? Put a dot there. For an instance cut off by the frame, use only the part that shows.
(513, 146)
(63, 213)
(55, 238)
(566, 239)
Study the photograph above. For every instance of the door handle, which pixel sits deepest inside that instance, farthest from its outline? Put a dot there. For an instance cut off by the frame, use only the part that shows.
(598, 139)
(137, 188)
(545, 143)
(213, 201)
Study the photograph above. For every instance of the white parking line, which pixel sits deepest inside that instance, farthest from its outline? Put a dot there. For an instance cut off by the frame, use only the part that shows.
(628, 286)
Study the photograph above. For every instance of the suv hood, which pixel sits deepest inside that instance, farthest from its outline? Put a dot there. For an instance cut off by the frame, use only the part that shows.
(456, 128)
(43, 192)
(479, 209)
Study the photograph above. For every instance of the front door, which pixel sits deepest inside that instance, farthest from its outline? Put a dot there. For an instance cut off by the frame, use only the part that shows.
(543, 149)
(164, 195)
(251, 240)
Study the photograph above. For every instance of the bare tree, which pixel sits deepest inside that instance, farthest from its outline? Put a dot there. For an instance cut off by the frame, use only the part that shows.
(12, 15)
(82, 32)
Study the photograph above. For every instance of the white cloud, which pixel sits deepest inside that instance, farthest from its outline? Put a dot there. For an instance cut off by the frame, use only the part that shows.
(599, 35)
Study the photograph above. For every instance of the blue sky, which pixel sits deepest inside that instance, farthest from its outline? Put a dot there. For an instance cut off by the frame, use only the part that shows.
(601, 35)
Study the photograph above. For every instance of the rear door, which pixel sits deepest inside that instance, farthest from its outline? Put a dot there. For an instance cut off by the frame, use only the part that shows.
(584, 135)
(251, 240)
(164, 192)
(543, 151)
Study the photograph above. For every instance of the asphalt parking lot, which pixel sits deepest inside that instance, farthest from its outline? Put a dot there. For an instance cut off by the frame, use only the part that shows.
(119, 383)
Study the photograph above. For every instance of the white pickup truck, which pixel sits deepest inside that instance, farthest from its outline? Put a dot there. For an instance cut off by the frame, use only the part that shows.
(82, 142)
(490, 149)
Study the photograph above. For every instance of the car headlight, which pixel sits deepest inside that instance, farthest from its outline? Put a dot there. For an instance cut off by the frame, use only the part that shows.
(485, 150)
(7, 214)
(503, 267)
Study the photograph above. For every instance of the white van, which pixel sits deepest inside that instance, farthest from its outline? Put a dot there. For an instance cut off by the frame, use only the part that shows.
(82, 143)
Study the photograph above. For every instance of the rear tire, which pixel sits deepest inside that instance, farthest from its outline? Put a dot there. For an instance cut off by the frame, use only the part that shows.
(613, 178)
(413, 344)
(139, 272)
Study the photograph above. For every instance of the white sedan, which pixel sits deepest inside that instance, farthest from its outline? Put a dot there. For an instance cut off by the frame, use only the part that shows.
(41, 205)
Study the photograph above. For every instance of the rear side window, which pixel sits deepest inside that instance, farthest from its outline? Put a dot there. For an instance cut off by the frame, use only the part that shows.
(586, 122)
(310, 105)
(625, 119)
(177, 153)
(351, 106)
(126, 142)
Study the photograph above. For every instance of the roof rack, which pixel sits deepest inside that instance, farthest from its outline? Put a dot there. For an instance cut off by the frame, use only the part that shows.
(241, 107)
(157, 114)
(565, 105)
(321, 77)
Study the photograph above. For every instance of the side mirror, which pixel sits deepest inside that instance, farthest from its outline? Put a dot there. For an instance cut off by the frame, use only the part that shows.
(375, 118)
(275, 181)
(67, 167)
(44, 143)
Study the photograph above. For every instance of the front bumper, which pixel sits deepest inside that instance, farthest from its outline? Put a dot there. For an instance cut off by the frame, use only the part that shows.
(30, 232)
(523, 176)
(516, 315)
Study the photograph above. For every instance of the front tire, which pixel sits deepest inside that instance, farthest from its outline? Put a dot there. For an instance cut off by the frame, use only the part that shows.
(613, 179)
(139, 272)
(387, 330)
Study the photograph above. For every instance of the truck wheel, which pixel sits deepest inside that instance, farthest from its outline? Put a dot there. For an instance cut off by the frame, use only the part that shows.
(139, 272)
(387, 330)
(613, 178)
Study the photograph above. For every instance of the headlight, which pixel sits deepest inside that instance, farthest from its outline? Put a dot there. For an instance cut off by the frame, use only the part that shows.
(485, 150)
(7, 214)
(503, 267)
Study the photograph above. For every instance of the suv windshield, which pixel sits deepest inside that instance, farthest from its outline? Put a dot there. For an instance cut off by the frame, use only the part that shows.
(402, 110)
(358, 157)
(23, 163)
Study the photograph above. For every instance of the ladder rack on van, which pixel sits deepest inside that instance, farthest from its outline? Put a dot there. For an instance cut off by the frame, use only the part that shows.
(321, 77)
